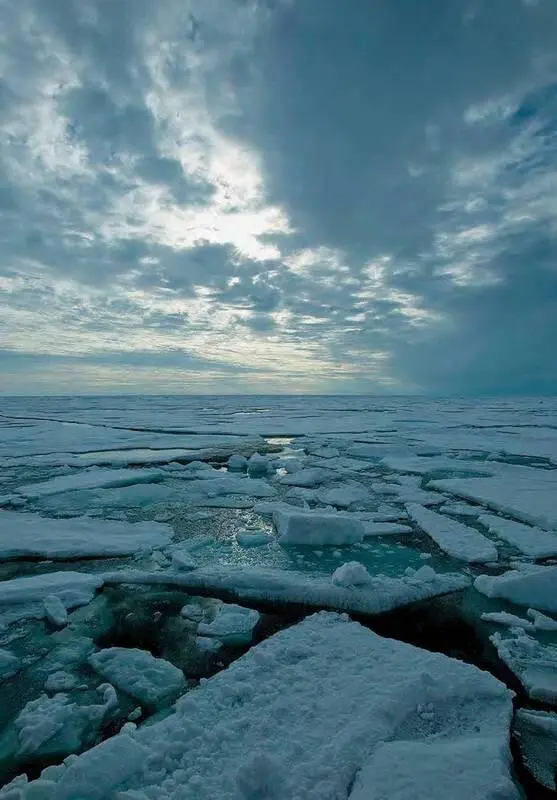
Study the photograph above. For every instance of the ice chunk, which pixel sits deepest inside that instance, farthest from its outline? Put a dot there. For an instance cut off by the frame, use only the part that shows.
(90, 479)
(31, 535)
(232, 624)
(73, 589)
(257, 466)
(154, 682)
(462, 509)
(536, 733)
(459, 767)
(237, 463)
(60, 681)
(540, 621)
(181, 558)
(9, 665)
(255, 539)
(314, 528)
(207, 644)
(351, 574)
(305, 477)
(535, 587)
(504, 618)
(51, 726)
(344, 495)
(533, 663)
(533, 542)
(55, 611)
(453, 537)
(306, 691)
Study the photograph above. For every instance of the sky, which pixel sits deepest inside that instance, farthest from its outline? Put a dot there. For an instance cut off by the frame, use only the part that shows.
(260, 196)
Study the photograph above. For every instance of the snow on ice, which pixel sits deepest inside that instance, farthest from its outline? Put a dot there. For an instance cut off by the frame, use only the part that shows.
(294, 719)
(453, 537)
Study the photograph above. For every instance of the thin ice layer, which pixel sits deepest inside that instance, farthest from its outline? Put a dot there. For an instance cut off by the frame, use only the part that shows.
(533, 542)
(453, 537)
(294, 719)
(278, 586)
(525, 493)
(90, 479)
(33, 536)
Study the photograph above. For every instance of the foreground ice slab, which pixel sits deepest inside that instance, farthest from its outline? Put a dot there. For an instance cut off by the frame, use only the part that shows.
(32, 536)
(295, 719)
(535, 587)
(533, 542)
(453, 537)
(72, 588)
(152, 681)
(253, 584)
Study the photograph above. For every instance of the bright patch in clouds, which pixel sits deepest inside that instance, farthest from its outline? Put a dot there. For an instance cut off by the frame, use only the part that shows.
(211, 195)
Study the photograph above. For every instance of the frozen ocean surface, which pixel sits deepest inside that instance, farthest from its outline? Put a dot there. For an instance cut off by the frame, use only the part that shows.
(177, 547)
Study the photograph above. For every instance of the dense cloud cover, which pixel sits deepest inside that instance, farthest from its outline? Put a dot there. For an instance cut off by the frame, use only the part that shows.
(278, 195)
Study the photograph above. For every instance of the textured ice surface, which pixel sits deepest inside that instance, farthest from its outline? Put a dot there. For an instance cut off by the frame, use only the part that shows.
(279, 586)
(314, 528)
(524, 493)
(25, 535)
(453, 537)
(232, 624)
(537, 738)
(531, 541)
(90, 479)
(533, 586)
(294, 719)
(152, 681)
(533, 663)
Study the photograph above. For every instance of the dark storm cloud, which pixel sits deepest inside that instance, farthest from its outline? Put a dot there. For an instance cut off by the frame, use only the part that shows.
(230, 189)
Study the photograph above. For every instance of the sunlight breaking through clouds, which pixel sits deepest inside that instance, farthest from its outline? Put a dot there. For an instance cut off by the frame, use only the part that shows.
(204, 181)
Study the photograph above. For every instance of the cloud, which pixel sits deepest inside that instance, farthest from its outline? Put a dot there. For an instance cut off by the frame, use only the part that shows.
(256, 196)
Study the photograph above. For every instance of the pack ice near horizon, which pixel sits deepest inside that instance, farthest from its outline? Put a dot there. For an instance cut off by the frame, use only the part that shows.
(278, 597)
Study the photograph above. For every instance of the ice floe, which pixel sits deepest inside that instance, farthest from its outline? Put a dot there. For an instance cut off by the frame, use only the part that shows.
(532, 587)
(533, 542)
(25, 535)
(152, 681)
(453, 537)
(294, 719)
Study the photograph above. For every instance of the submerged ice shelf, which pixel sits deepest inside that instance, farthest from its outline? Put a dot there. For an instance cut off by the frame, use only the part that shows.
(355, 509)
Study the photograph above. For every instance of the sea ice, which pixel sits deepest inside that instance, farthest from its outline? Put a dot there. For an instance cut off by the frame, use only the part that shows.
(25, 535)
(90, 479)
(533, 587)
(351, 574)
(312, 476)
(453, 537)
(536, 733)
(232, 624)
(294, 719)
(9, 665)
(316, 528)
(533, 542)
(55, 611)
(154, 682)
(533, 663)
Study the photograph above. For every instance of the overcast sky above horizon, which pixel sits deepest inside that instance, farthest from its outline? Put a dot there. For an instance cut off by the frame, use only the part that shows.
(278, 196)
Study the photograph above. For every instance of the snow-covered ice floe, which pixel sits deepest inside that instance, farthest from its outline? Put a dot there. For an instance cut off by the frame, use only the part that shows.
(324, 710)
(535, 587)
(316, 528)
(525, 493)
(153, 681)
(453, 537)
(278, 586)
(25, 535)
(531, 541)
(232, 624)
(24, 598)
(533, 663)
(536, 733)
(90, 479)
